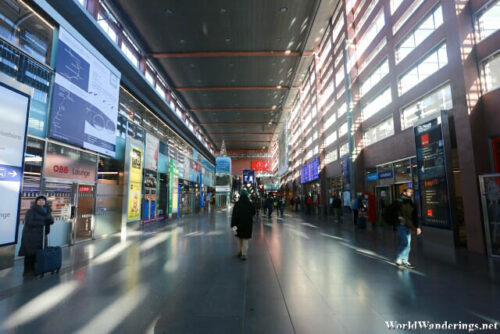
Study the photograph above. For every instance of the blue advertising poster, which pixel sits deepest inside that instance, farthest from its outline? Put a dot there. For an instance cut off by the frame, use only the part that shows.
(370, 177)
(14, 116)
(387, 174)
(248, 176)
(223, 165)
(85, 99)
(310, 171)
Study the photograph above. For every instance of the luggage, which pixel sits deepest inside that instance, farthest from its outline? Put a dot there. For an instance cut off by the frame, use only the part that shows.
(48, 259)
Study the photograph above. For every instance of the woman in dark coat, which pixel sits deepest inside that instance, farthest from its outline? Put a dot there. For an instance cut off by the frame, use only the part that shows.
(242, 219)
(38, 216)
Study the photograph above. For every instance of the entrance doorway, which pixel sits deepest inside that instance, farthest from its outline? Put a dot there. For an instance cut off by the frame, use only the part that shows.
(84, 211)
(384, 197)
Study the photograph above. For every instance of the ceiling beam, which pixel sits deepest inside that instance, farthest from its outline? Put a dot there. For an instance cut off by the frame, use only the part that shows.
(234, 109)
(247, 141)
(225, 54)
(238, 124)
(241, 133)
(187, 89)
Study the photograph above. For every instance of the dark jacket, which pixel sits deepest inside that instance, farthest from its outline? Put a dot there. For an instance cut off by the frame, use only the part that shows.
(242, 218)
(269, 203)
(35, 219)
(407, 212)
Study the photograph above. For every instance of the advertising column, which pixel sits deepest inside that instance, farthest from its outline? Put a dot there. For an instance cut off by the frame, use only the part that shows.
(14, 116)
(150, 177)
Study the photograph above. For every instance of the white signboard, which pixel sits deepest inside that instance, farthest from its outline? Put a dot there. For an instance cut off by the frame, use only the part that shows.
(85, 99)
(13, 116)
(152, 150)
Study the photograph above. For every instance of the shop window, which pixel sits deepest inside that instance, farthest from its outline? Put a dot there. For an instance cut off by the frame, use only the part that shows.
(150, 77)
(378, 132)
(109, 170)
(32, 171)
(27, 30)
(402, 171)
(491, 73)
(419, 34)
(488, 20)
(160, 90)
(436, 60)
(376, 104)
(437, 100)
(374, 78)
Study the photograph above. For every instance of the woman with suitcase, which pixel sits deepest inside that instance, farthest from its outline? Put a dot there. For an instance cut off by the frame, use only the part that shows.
(37, 217)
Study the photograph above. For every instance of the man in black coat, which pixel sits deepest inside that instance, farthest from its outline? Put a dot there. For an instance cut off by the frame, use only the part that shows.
(242, 219)
(38, 216)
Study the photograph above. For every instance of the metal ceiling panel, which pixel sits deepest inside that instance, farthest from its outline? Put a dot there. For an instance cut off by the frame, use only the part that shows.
(233, 99)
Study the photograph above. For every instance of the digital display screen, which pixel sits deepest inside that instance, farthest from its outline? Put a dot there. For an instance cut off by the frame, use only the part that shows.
(310, 171)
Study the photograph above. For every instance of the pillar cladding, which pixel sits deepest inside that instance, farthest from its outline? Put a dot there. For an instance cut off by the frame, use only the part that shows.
(459, 37)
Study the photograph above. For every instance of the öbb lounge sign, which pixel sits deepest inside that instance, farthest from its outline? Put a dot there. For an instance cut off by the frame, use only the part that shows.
(61, 166)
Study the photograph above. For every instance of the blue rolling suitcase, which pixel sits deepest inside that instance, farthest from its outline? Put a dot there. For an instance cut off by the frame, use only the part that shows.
(48, 259)
(361, 222)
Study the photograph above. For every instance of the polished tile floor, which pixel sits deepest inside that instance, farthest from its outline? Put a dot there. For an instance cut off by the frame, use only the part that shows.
(303, 275)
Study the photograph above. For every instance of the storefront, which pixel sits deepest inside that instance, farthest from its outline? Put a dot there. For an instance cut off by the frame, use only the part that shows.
(389, 181)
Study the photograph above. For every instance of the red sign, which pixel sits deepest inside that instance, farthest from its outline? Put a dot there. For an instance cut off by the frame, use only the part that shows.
(425, 139)
(260, 165)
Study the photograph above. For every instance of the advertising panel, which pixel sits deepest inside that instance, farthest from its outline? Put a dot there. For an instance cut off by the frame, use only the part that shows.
(173, 188)
(223, 165)
(85, 98)
(135, 181)
(152, 151)
(14, 116)
(248, 176)
(431, 164)
(260, 165)
(67, 163)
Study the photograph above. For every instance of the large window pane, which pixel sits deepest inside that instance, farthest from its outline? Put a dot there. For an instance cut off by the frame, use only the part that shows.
(491, 70)
(439, 99)
(419, 34)
(378, 132)
(20, 26)
(425, 68)
(378, 103)
(489, 20)
(380, 72)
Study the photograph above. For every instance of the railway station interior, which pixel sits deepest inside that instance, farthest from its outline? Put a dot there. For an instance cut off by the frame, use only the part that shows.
(250, 166)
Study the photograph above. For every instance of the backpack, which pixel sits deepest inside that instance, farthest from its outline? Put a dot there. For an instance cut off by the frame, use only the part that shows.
(390, 213)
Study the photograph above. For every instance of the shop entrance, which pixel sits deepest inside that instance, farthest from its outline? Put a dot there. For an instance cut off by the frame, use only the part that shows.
(384, 197)
(73, 210)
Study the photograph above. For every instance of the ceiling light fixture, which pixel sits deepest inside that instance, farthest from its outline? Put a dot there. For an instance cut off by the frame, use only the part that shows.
(223, 10)
(182, 41)
(228, 40)
(169, 11)
(283, 9)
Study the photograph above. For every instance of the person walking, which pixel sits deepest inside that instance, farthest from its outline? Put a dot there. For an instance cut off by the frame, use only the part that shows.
(269, 206)
(337, 208)
(309, 202)
(256, 202)
(36, 218)
(281, 206)
(242, 219)
(408, 219)
(356, 205)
